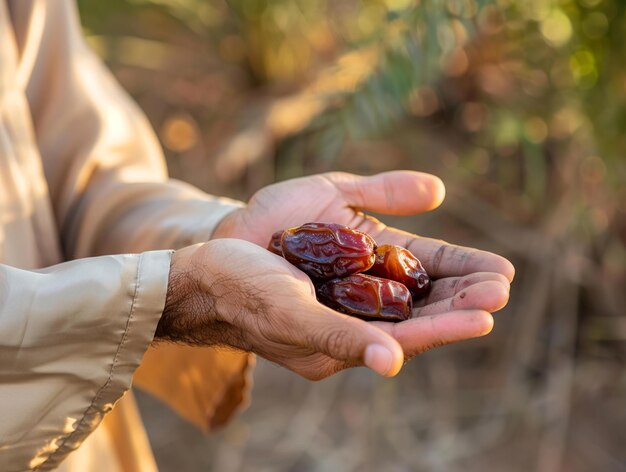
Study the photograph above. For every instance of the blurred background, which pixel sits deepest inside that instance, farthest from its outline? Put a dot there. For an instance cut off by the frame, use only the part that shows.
(519, 106)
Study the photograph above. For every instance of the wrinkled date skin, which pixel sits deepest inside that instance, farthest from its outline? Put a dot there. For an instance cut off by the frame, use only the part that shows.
(325, 251)
(274, 245)
(397, 263)
(334, 255)
(367, 297)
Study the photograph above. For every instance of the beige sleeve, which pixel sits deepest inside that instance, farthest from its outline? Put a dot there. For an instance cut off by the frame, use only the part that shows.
(104, 166)
(71, 338)
(111, 194)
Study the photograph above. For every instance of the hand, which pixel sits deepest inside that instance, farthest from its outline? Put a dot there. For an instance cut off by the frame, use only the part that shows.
(231, 292)
(470, 283)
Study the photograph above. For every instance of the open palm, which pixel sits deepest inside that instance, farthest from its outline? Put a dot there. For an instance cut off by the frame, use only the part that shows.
(469, 283)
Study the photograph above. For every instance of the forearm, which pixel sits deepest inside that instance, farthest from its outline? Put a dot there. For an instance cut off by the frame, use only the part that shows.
(105, 170)
(136, 217)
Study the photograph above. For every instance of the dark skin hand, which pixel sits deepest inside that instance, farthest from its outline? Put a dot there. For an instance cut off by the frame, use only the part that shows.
(235, 293)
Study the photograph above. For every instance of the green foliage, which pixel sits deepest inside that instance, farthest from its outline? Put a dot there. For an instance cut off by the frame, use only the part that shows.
(525, 89)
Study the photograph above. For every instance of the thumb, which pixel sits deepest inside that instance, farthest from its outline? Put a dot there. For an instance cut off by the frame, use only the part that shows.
(351, 340)
(392, 193)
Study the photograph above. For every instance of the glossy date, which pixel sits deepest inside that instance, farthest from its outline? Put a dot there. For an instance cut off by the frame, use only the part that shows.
(327, 250)
(351, 274)
(397, 263)
(367, 297)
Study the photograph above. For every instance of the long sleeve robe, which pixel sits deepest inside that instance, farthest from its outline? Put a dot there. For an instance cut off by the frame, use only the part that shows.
(88, 222)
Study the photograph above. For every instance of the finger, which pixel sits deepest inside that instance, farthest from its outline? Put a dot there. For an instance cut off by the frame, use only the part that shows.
(344, 338)
(421, 334)
(490, 296)
(441, 259)
(450, 286)
(392, 193)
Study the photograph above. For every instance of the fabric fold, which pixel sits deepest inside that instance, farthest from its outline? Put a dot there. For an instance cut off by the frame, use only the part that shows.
(71, 337)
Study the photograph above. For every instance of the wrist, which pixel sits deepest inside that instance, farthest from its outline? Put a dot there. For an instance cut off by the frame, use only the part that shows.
(185, 303)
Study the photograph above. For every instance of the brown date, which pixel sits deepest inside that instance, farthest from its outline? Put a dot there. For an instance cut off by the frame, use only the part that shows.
(325, 251)
(397, 263)
(274, 245)
(367, 297)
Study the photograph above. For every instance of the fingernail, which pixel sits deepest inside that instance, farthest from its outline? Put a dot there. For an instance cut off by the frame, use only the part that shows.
(379, 359)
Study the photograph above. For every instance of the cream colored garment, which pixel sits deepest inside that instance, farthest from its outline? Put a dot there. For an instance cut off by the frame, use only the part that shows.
(81, 175)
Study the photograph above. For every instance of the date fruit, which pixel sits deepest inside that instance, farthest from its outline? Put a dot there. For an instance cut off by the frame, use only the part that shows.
(397, 263)
(325, 251)
(335, 256)
(274, 245)
(367, 297)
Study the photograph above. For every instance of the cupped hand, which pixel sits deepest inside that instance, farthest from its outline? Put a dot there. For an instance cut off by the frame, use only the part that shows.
(234, 293)
(470, 284)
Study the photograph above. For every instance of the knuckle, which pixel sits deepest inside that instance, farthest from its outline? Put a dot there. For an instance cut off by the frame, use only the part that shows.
(424, 348)
(464, 283)
(458, 301)
(438, 257)
(318, 367)
(337, 343)
(312, 375)
(336, 175)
